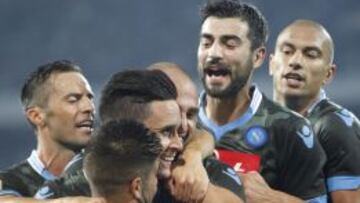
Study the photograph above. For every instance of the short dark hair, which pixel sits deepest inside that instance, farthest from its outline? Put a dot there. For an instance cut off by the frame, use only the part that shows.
(258, 27)
(120, 151)
(34, 91)
(128, 93)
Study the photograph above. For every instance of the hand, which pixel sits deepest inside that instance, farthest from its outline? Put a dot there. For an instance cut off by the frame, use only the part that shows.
(189, 181)
(256, 189)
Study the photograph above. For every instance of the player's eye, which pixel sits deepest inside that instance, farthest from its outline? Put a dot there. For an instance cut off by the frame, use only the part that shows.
(312, 54)
(287, 50)
(167, 132)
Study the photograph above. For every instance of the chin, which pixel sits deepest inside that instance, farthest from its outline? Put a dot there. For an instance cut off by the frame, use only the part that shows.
(164, 174)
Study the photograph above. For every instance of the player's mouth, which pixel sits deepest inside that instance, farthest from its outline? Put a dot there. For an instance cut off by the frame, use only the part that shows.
(216, 73)
(86, 125)
(168, 158)
(294, 79)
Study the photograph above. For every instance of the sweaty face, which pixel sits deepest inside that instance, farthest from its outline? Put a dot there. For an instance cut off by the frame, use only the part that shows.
(69, 114)
(301, 61)
(165, 120)
(224, 56)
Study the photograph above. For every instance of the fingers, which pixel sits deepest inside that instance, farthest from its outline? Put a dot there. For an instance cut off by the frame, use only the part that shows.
(188, 184)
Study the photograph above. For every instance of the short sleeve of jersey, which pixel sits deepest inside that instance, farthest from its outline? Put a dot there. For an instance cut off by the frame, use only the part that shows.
(224, 176)
(20, 180)
(300, 159)
(11, 185)
(339, 134)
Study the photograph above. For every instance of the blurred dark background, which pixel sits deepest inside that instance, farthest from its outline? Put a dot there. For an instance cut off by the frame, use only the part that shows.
(107, 36)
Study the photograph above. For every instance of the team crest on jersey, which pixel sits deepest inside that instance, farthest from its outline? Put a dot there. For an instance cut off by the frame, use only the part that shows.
(256, 137)
(307, 135)
(346, 116)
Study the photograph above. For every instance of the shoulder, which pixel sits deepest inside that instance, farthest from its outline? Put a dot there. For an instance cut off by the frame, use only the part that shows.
(281, 114)
(288, 126)
(333, 117)
(21, 169)
(283, 119)
(18, 179)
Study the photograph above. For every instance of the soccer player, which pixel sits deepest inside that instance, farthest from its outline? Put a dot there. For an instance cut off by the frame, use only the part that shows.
(58, 103)
(302, 63)
(121, 162)
(188, 99)
(149, 97)
(252, 133)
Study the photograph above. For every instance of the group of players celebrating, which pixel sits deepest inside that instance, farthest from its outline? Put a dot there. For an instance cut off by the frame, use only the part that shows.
(156, 143)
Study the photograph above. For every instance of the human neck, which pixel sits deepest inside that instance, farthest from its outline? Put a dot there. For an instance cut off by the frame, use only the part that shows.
(53, 156)
(299, 104)
(119, 197)
(225, 110)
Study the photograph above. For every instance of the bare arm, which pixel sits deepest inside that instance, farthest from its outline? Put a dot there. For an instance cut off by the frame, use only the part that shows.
(217, 194)
(345, 196)
(13, 199)
(257, 190)
(201, 143)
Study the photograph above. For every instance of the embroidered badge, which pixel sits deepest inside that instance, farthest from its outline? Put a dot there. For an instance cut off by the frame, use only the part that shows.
(256, 137)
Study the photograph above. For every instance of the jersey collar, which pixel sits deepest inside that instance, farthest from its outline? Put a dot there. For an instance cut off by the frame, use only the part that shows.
(219, 131)
(320, 97)
(38, 166)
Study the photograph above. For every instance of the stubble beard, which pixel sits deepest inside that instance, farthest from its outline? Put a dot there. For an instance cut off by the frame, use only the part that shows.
(233, 88)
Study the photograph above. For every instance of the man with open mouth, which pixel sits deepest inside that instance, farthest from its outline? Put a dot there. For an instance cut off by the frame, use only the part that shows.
(58, 103)
(265, 143)
(301, 65)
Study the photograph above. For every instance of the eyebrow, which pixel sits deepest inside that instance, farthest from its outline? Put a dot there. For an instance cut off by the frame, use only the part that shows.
(159, 129)
(287, 44)
(312, 48)
(231, 37)
(307, 48)
(206, 35)
(89, 94)
(222, 37)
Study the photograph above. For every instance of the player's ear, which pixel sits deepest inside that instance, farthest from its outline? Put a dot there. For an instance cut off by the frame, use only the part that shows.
(330, 74)
(36, 116)
(136, 188)
(259, 56)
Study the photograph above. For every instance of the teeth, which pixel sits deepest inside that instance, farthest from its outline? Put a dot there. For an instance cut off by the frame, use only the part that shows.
(88, 124)
(169, 158)
(217, 72)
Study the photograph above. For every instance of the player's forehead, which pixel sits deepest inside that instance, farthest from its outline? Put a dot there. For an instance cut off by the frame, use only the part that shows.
(302, 36)
(217, 27)
(69, 82)
(163, 114)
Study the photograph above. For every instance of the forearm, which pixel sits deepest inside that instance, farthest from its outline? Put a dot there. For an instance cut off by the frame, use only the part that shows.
(345, 196)
(200, 144)
(12, 199)
(213, 195)
(280, 197)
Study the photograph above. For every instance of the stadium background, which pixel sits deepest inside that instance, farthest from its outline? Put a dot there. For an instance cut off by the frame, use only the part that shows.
(108, 36)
